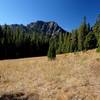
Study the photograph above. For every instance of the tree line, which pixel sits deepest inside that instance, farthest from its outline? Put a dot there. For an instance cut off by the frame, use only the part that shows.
(81, 39)
(16, 44)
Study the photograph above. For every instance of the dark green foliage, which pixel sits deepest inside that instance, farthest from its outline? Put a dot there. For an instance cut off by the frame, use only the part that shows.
(98, 18)
(99, 42)
(14, 43)
(83, 31)
(52, 50)
(96, 27)
(96, 30)
(74, 41)
(60, 42)
(98, 49)
(68, 43)
(90, 41)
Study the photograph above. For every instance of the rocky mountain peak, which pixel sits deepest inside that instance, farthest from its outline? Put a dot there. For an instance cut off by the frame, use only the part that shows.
(50, 27)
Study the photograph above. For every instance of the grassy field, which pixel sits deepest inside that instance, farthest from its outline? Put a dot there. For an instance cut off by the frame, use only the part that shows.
(73, 76)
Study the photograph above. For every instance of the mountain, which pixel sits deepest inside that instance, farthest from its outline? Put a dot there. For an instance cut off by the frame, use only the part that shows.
(47, 28)
(50, 28)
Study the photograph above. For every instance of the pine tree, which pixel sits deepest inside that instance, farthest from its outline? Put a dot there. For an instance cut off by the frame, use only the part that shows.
(96, 27)
(98, 18)
(98, 49)
(90, 41)
(83, 31)
(52, 50)
(74, 42)
(60, 48)
(68, 43)
(65, 45)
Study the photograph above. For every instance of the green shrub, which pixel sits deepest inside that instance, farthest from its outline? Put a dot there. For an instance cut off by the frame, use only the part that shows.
(98, 49)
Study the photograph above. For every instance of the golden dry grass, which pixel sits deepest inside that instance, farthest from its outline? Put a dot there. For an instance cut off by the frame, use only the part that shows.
(73, 76)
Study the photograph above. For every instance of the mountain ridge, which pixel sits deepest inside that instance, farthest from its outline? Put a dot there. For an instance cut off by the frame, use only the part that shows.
(44, 27)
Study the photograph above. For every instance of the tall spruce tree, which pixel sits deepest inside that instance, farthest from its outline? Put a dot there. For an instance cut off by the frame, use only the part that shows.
(69, 43)
(74, 42)
(83, 31)
(90, 41)
(52, 49)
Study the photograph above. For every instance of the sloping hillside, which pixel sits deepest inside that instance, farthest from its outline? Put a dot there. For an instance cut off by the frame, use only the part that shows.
(73, 76)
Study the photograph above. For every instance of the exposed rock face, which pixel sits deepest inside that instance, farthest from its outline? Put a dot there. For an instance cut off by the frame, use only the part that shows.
(46, 28)
(50, 28)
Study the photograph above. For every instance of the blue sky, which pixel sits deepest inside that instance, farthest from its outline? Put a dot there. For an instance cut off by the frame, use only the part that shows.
(67, 13)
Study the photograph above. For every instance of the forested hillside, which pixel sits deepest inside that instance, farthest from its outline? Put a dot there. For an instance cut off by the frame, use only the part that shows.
(37, 38)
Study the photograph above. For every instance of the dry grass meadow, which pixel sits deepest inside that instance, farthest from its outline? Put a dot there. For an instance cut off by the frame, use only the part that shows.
(73, 76)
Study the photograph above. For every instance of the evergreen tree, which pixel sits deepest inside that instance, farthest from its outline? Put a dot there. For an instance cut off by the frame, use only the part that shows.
(14, 42)
(98, 49)
(83, 31)
(65, 43)
(96, 27)
(69, 43)
(74, 42)
(98, 18)
(90, 41)
(52, 50)
(60, 48)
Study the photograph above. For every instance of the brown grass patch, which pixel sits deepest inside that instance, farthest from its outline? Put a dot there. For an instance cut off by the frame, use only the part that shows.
(77, 73)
